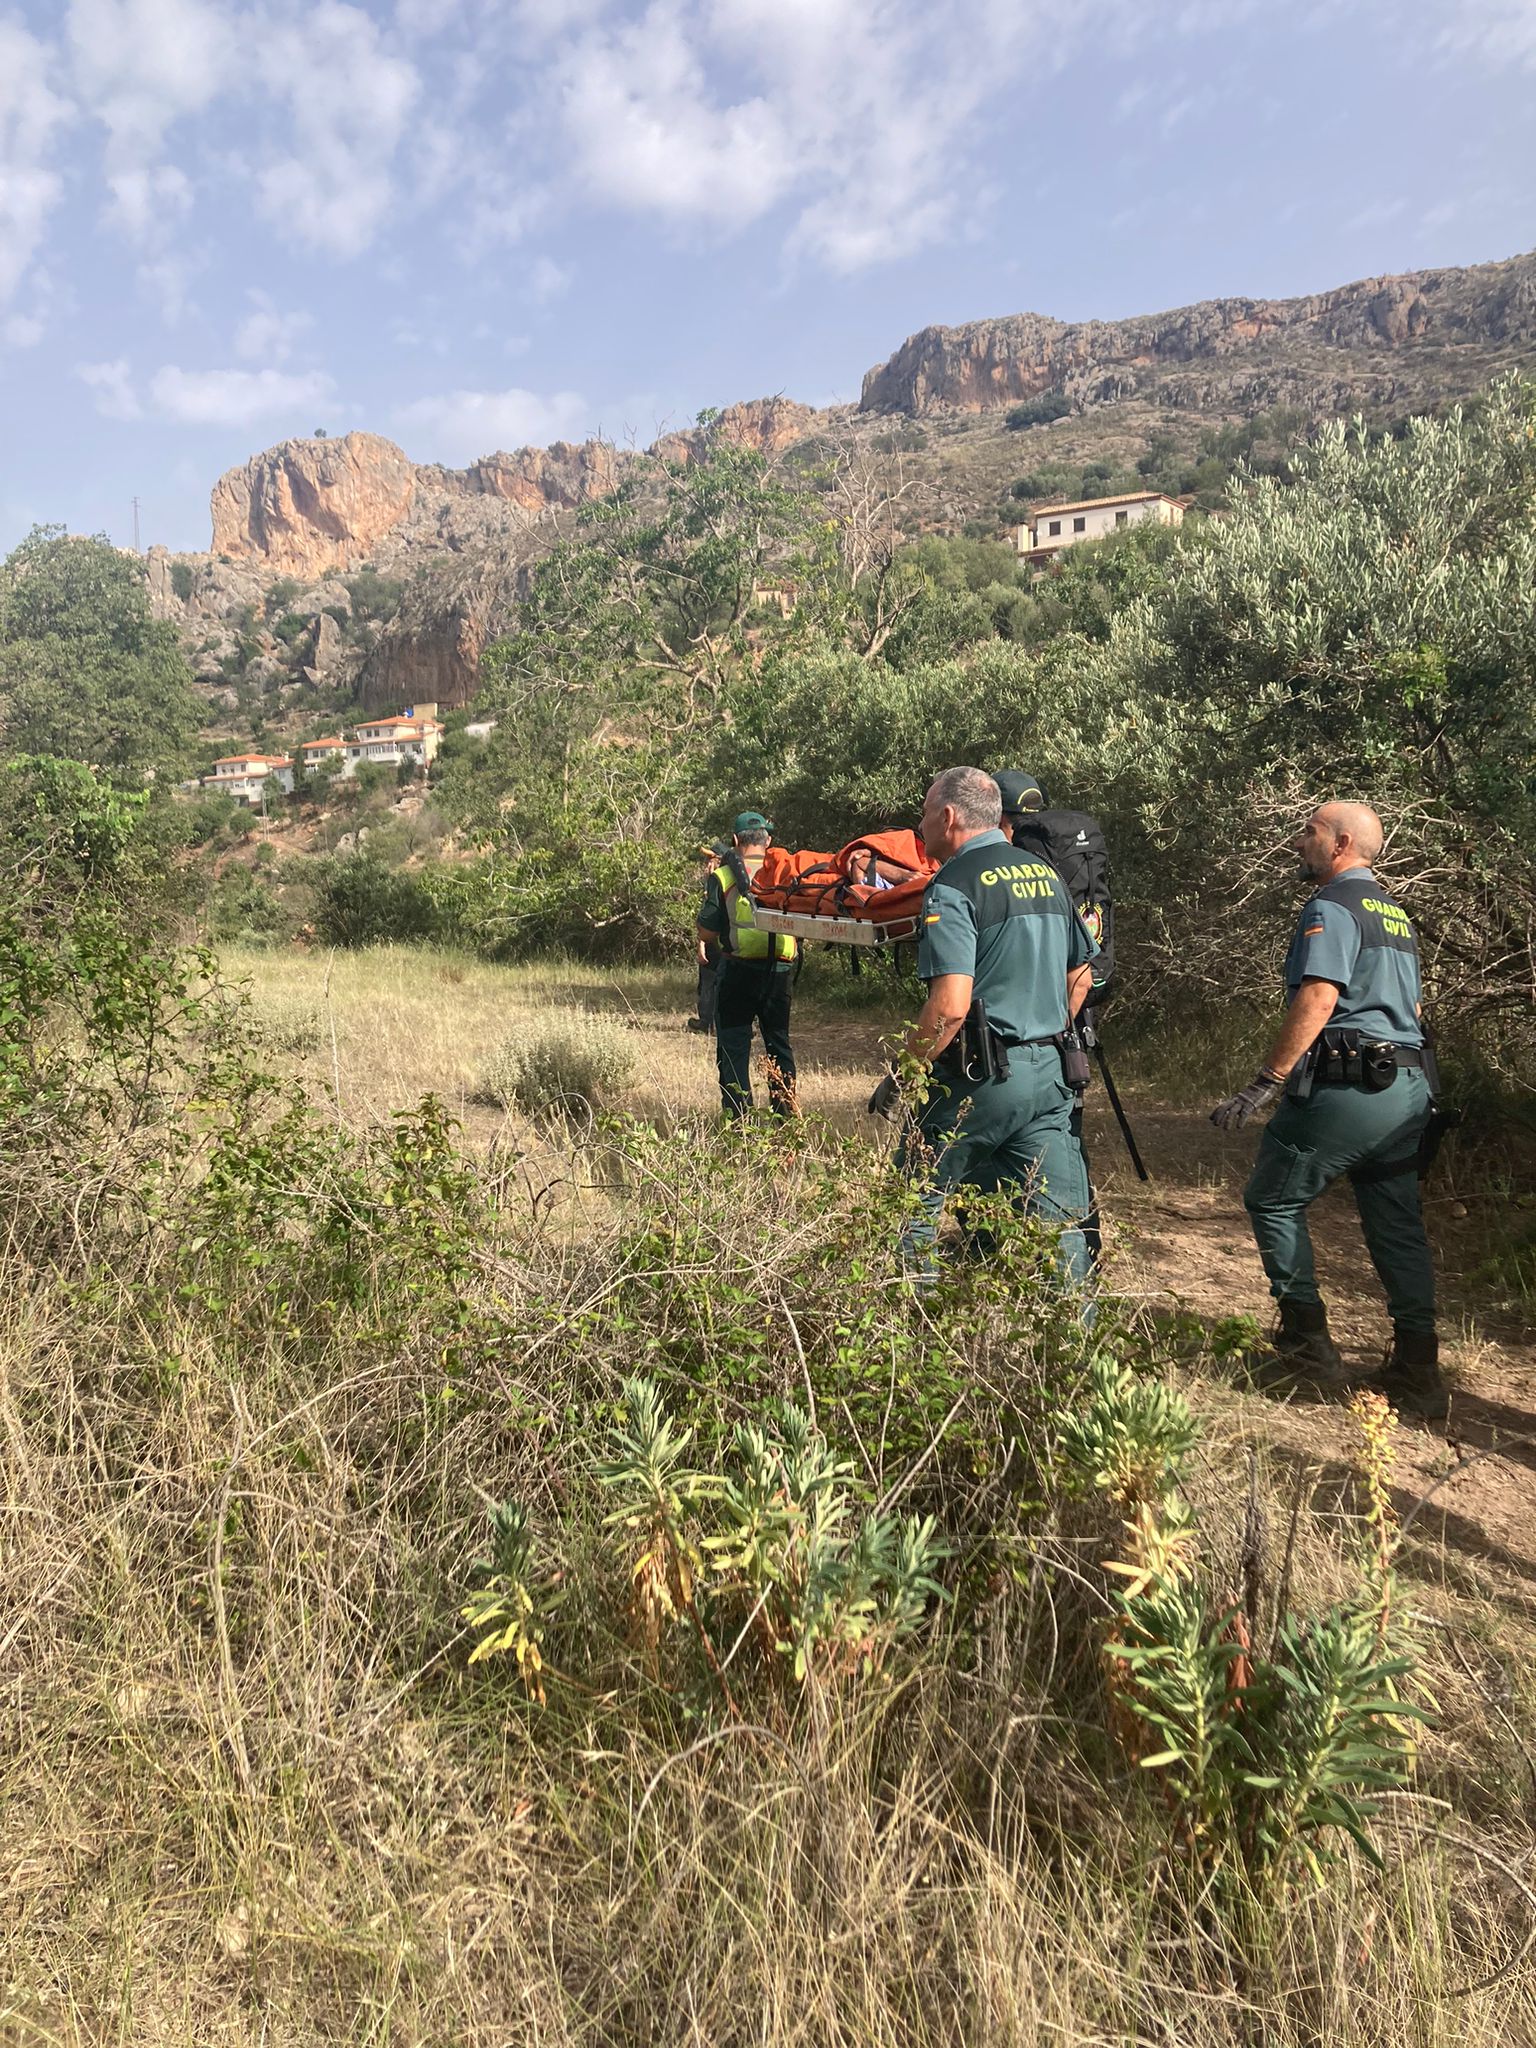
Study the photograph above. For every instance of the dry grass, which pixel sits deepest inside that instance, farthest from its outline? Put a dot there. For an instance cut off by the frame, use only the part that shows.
(251, 1793)
(407, 1020)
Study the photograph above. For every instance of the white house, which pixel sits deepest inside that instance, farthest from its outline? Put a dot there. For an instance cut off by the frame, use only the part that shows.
(1053, 527)
(413, 736)
(314, 754)
(250, 778)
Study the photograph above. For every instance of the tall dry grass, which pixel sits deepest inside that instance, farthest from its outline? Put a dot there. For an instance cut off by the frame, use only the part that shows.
(253, 1792)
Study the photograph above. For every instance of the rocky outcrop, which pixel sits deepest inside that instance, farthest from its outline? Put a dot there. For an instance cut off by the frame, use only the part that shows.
(999, 362)
(561, 476)
(430, 651)
(306, 507)
(765, 425)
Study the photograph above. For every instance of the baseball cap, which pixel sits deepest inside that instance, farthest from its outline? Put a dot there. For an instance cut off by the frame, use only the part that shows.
(749, 821)
(1021, 792)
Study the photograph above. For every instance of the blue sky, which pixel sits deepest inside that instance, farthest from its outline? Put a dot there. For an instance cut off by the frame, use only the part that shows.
(472, 224)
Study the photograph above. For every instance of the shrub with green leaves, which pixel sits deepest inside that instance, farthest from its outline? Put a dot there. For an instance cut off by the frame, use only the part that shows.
(1263, 1756)
(577, 1061)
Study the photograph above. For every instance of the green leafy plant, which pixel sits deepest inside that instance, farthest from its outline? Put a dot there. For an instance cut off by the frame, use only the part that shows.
(509, 1611)
(776, 1546)
(1262, 1759)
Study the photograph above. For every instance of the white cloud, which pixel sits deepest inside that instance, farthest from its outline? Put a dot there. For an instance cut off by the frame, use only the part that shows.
(865, 112)
(235, 398)
(31, 114)
(348, 98)
(147, 197)
(645, 135)
(112, 384)
(204, 398)
(1502, 31)
(548, 280)
(456, 426)
(23, 330)
(141, 66)
(268, 335)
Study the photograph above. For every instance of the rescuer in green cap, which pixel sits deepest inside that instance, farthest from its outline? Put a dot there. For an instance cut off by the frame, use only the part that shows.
(1006, 959)
(707, 951)
(756, 974)
(1358, 1082)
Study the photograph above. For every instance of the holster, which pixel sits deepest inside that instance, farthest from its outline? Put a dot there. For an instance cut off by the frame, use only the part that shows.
(976, 1052)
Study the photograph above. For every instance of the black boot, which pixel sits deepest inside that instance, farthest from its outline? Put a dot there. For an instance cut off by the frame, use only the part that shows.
(1301, 1352)
(1410, 1380)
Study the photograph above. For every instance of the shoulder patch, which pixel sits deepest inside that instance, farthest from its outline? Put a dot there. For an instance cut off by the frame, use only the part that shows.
(1312, 931)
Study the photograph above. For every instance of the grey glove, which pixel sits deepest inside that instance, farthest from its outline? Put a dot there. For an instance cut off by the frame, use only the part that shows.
(1261, 1091)
(886, 1099)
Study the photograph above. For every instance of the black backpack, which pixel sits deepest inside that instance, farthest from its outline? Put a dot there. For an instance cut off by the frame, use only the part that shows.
(1073, 843)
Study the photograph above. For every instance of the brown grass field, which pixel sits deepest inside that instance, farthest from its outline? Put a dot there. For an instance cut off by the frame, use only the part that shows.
(251, 1793)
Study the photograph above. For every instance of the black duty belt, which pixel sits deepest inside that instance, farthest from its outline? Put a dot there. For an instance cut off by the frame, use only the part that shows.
(1345, 1057)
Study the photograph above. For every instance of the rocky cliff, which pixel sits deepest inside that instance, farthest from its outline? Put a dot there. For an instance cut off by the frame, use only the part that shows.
(1337, 337)
(309, 508)
(306, 507)
(765, 425)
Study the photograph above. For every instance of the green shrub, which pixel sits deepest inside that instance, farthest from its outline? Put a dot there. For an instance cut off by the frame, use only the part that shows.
(561, 1062)
(360, 902)
(1037, 412)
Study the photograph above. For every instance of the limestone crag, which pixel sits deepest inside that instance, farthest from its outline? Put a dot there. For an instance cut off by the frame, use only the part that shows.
(561, 476)
(305, 507)
(430, 651)
(765, 425)
(999, 362)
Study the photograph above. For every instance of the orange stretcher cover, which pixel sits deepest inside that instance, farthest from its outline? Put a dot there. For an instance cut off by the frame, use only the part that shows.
(880, 876)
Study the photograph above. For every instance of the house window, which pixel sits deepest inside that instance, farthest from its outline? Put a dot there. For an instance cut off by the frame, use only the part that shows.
(1121, 518)
(1080, 524)
(1055, 527)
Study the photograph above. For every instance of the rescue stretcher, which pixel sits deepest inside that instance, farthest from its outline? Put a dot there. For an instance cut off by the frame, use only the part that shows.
(869, 893)
(835, 931)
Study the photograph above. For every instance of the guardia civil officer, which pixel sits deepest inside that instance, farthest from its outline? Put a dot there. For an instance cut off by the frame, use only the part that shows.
(707, 950)
(1021, 794)
(756, 975)
(1351, 1061)
(998, 929)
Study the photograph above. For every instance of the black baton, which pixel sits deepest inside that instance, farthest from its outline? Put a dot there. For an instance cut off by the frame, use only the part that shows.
(1116, 1105)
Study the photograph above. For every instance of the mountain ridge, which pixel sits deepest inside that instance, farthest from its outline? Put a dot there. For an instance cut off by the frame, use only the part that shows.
(1124, 400)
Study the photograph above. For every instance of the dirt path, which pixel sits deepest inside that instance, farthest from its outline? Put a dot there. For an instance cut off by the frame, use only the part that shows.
(1184, 1240)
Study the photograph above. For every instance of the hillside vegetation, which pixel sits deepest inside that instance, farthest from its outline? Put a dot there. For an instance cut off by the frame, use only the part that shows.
(1364, 623)
(512, 1561)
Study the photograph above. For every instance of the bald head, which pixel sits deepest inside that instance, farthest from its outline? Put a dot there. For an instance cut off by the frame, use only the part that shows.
(1338, 836)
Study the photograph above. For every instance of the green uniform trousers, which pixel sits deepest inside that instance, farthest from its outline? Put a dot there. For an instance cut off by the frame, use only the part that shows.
(754, 992)
(1014, 1136)
(1305, 1146)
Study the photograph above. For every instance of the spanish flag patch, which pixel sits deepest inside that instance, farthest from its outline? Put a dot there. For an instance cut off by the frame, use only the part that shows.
(932, 917)
(1312, 931)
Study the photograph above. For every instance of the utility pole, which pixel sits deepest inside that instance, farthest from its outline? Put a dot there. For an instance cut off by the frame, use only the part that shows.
(136, 526)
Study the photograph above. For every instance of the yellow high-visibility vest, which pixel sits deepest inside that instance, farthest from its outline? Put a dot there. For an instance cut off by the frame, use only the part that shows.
(743, 941)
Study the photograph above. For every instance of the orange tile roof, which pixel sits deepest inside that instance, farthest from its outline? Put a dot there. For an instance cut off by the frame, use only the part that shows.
(269, 760)
(306, 745)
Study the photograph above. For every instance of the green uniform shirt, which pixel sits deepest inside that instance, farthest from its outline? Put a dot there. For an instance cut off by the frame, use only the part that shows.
(1353, 934)
(1007, 921)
